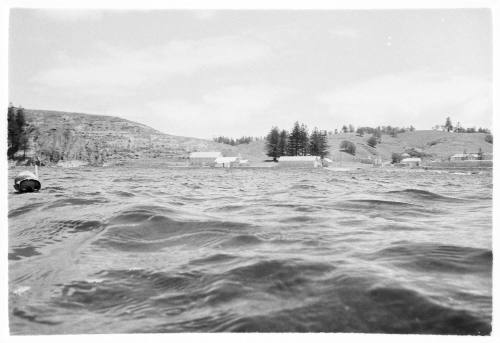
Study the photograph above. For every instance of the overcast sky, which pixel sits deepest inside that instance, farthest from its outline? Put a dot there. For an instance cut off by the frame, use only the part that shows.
(234, 73)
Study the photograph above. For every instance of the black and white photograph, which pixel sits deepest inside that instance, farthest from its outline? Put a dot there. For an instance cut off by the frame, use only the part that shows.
(281, 170)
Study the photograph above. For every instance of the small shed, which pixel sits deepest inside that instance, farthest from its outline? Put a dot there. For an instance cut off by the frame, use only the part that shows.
(204, 158)
(411, 162)
(227, 162)
(300, 161)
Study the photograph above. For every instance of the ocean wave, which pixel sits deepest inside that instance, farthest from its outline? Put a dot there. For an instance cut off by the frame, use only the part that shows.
(424, 195)
(438, 258)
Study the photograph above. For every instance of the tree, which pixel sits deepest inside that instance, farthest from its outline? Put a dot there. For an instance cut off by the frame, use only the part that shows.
(448, 125)
(294, 140)
(360, 132)
(282, 143)
(396, 158)
(480, 154)
(351, 128)
(372, 141)
(324, 147)
(348, 147)
(318, 143)
(272, 143)
(17, 137)
(303, 140)
(345, 129)
(489, 138)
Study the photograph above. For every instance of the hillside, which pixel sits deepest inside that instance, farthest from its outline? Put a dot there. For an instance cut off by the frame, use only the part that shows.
(101, 139)
(97, 139)
(436, 144)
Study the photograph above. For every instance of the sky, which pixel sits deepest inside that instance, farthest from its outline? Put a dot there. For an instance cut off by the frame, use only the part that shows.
(233, 73)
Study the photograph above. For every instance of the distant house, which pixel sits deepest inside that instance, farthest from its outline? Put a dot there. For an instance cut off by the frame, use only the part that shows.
(467, 157)
(227, 162)
(299, 161)
(411, 162)
(204, 158)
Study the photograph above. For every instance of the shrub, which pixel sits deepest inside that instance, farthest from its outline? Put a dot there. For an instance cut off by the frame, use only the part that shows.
(348, 147)
(489, 138)
(372, 141)
(396, 158)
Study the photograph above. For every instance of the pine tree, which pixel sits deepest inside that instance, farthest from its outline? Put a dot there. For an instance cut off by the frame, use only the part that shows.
(315, 142)
(448, 126)
(272, 143)
(283, 142)
(304, 140)
(294, 140)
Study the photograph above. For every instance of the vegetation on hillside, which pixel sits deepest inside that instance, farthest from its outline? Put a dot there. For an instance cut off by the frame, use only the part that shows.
(348, 147)
(17, 131)
(237, 141)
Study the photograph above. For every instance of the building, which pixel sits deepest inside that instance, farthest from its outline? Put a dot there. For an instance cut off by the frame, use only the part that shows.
(204, 158)
(227, 162)
(411, 162)
(300, 161)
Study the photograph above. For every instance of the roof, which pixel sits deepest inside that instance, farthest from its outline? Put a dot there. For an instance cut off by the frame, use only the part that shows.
(460, 155)
(327, 160)
(226, 159)
(205, 154)
(405, 154)
(298, 158)
(411, 159)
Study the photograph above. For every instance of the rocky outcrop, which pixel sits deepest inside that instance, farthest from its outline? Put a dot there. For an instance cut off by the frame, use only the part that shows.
(96, 139)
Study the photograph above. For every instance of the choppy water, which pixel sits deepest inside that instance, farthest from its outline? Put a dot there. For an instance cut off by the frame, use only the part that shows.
(110, 250)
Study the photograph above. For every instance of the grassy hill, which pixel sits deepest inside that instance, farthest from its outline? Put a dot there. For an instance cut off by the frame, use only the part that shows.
(436, 144)
(96, 138)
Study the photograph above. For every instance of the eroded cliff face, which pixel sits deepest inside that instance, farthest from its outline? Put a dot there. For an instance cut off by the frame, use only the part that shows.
(62, 136)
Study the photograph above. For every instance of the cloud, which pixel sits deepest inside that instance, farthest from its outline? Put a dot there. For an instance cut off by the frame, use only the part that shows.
(417, 98)
(70, 15)
(344, 32)
(111, 68)
(233, 111)
(204, 14)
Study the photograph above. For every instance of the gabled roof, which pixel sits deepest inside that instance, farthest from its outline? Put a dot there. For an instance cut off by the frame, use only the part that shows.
(205, 154)
(412, 159)
(298, 158)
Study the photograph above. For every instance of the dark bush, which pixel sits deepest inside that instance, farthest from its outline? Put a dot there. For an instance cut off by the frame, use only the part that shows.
(372, 141)
(489, 138)
(396, 158)
(348, 147)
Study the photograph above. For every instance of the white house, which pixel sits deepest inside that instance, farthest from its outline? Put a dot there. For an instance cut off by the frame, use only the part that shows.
(411, 162)
(204, 158)
(227, 162)
(299, 161)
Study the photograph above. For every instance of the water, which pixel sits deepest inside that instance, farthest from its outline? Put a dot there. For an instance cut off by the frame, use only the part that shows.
(120, 250)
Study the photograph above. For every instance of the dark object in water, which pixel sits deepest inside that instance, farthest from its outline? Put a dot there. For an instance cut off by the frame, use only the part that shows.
(26, 182)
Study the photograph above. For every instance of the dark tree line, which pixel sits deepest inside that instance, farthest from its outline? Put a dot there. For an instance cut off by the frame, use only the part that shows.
(17, 135)
(449, 127)
(232, 141)
(297, 142)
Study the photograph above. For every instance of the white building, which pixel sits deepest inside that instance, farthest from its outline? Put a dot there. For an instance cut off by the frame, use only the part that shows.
(204, 158)
(411, 162)
(299, 161)
(227, 162)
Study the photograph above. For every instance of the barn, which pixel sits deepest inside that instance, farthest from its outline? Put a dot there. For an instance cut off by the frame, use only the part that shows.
(204, 158)
(299, 161)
